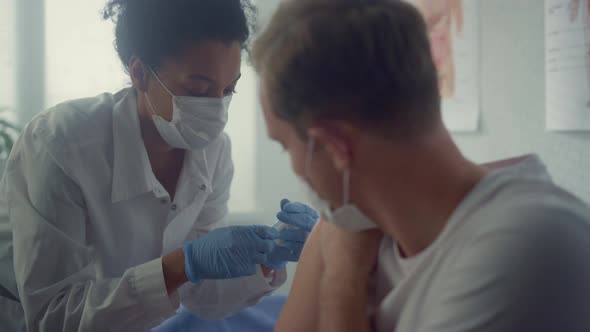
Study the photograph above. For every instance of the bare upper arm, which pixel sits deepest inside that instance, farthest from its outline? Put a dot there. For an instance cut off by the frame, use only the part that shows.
(300, 312)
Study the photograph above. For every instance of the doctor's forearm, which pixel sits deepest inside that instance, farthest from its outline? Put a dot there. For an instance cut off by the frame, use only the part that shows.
(174, 272)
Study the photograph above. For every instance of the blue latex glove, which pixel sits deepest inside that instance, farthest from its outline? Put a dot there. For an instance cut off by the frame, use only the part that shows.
(298, 214)
(230, 252)
(304, 219)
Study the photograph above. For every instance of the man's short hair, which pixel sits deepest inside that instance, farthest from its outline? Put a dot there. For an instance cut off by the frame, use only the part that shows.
(367, 61)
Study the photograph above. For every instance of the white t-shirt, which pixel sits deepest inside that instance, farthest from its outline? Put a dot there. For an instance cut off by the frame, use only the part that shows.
(514, 256)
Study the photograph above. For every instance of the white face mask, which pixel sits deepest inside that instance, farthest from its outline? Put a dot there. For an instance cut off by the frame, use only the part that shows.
(196, 121)
(348, 216)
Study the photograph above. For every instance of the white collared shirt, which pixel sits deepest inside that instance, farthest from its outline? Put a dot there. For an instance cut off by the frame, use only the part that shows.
(89, 222)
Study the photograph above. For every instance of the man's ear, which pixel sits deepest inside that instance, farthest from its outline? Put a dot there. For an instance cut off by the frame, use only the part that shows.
(139, 74)
(337, 141)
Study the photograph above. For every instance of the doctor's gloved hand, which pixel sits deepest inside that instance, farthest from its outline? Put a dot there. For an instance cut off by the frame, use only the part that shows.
(230, 252)
(300, 220)
(298, 214)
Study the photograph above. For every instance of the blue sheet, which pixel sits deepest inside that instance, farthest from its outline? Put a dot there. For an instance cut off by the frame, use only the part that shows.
(260, 318)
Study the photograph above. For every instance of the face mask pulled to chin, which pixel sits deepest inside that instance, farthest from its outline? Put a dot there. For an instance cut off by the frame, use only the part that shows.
(348, 216)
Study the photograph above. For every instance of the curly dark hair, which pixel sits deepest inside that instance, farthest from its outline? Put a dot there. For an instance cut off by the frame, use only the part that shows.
(153, 30)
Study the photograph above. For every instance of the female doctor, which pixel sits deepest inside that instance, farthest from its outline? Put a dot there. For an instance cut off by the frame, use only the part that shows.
(116, 202)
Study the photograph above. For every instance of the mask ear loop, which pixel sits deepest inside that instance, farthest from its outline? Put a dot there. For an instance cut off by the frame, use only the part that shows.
(309, 157)
(152, 108)
(345, 175)
(346, 187)
(150, 104)
(161, 83)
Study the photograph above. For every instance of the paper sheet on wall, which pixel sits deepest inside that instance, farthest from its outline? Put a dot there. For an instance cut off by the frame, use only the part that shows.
(454, 30)
(567, 64)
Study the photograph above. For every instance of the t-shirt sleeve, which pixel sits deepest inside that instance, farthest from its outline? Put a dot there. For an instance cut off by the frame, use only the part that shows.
(532, 274)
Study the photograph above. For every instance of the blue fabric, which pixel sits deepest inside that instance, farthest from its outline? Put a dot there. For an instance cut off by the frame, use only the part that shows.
(259, 318)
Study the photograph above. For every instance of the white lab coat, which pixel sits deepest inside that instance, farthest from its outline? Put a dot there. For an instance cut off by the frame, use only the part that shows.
(89, 222)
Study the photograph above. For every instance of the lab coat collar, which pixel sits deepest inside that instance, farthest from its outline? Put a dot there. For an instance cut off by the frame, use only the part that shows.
(130, 160)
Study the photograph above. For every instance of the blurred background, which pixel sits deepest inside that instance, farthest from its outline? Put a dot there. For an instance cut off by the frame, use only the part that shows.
(55, 50)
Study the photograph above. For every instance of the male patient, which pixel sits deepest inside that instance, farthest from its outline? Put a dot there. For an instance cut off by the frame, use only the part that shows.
(416, 237)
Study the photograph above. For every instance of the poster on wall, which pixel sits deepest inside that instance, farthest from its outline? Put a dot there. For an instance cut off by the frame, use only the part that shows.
(453, 27)
(567, 64)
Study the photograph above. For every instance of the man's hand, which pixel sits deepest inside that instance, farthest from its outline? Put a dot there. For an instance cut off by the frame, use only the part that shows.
(349, 258)
(345, 251)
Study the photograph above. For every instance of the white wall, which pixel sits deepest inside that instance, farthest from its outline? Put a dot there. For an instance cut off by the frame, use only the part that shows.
(512, 100)
(513, 96)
